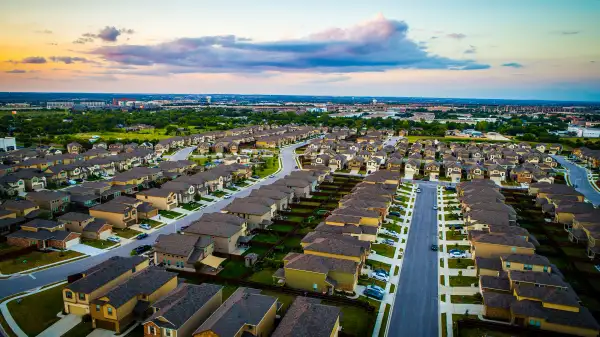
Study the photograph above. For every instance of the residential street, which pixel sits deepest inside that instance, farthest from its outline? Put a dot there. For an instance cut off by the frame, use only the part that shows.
(26, 282)
(578, 176)
(182, 154)
(415, 311)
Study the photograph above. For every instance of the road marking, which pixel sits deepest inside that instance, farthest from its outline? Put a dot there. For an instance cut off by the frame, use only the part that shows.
(31, 275)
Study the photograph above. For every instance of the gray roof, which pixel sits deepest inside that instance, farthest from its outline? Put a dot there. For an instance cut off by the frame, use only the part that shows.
(493, 299)
(492, 263)
(500, 283)
(244, 306)
(156, 192)
(46, 195)
(335, 246)
(178, 306)
(41, 223)
(534, 259)
(223, 218)
(319, 264)
(218, 229)
(95, 225)
(583, 318)
(19, 204)
(74, 216)
(241, 206)
(104, 272)
(540, 278)
(180, 245)
(144, 282)
(306, 317)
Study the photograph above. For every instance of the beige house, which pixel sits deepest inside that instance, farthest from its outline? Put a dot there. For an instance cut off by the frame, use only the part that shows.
(183, 252)
(159, 198)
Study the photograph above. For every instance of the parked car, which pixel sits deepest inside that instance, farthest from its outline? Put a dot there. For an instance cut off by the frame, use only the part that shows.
(227, 196)
(142, 236)
(435, 207)
(296, 167)
(380, 276)
(434, 248)
(418, 190)
(255, 177)
(272, 176)
(374, 291)
(145, 226)
(383, 271)
(114, 239)
(395, 213)
(459, 254)
(389, 232)
(141, 249)
(389, 242)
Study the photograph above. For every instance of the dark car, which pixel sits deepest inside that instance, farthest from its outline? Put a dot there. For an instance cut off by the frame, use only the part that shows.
(395, 213)
(255, 177)
(142, 236)
(434, 248)
(141, 249)
(296, 167)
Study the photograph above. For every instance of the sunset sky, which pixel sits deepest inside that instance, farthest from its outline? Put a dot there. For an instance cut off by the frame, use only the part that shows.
(532, 49)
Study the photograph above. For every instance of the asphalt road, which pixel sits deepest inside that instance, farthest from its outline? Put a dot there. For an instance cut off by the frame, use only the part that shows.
(25, 282)
(415, 311)
(578, 176)
(182, 154)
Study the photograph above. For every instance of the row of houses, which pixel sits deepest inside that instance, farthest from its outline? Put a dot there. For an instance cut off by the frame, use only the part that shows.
(123, 290)
(517, 285)
(335, 252)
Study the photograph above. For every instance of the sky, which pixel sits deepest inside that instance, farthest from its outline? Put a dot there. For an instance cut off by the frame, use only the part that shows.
(513, 49)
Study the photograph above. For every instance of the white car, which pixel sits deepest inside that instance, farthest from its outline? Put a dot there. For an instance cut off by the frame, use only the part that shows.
(458, 255)
(391, 233)
(418, 190)
(145, 226)
(113, 239)
(435, 207)
(227, 196)
(381, 277)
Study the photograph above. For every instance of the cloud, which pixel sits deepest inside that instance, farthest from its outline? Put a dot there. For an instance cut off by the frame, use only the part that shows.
(16, 71)
(106, 34)
(376, 45)
(472, 50)
(566, 32)
(513, 65)
(52, 44)
(68, 59)
(341, 78)
(45, 31)
(457, 36)
(33, 60)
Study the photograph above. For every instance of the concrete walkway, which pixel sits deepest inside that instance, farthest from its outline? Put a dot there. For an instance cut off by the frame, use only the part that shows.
(61, 327)
(86, 249)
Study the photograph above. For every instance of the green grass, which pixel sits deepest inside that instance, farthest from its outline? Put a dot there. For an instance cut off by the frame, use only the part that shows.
(384, 250)
(35, 259)
(463, 281)
(392, 227)
(385, 236)
(233, 269)
(218, 194)
(207, 199)
(460, 263)
(371, 281)
(354, 319)
(392, 288)
(386, 314)
(282, 228)
(143, 134)
(37, 312)
(467, 299)
(268, 238)
(294, 218)
(271, 166)
(465, 248)
(191, 206)
(100, 244)
(228, 290)
(264, 276)
(292, 242)
(378, 265)
(169, 214)
(80, 330)
(152, 223)
(285, 299)
(444, 326)
(126, 233)
(455, 235)
(396, 271)
(260, 250)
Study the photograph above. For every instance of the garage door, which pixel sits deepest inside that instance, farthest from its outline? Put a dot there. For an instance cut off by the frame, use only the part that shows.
(106, 325)
(72, 243)
(76, 310)
(104, 235)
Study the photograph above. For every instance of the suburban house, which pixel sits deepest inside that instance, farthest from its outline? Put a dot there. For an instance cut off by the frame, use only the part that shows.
(43, 234)
(256, 215)
(308, 317)
(97, 280)
(182, 310)
(184, 252)
(245, 313)
(53, 201)
(318, 273)
(225, 232)
(184, 191)
(115, 213)
(127, 302)
(162, 199)
(20, 207)
(86, 225)
(498, 244)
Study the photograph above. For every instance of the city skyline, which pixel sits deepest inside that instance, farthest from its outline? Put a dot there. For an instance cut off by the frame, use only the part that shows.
(508, 49)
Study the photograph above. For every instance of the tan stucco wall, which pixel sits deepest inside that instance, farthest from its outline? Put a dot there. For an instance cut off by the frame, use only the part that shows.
(490, 250)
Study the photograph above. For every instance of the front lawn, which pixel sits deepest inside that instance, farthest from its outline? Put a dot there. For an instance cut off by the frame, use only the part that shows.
(386, 314)
(385, 236)
(152, 223)
(455, 235)
(355, 319)
(467, 299)
(378, 265)
(218, 194)
(170, 214)
(366, 281)
(271, 166)
(37, 312)
(100, 244)
(460, 263)
(294, 218)
(191, 206)
(80, 330)
(207, 199)
(384, 250)
(463, 281)
(35, 259)
(392, 227)
(126, 233)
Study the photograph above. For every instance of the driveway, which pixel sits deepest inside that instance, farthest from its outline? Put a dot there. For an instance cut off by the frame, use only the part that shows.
(19, 284)
(88, 250)
(578, 176)
(415, 312)
(182, 154)
(61, 326)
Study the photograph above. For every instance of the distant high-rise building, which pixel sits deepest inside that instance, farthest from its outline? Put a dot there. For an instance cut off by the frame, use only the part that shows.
(374, 101)
(208, 99)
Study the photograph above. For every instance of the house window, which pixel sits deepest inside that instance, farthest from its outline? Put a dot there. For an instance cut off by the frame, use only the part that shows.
(82, 296)
(69, 294)
(513, 249)
(168, 332)
(545, 269)
(534, 323)
(151, 330)
(507, 264)
(97, 307)
(109, 310)
(528, 267)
